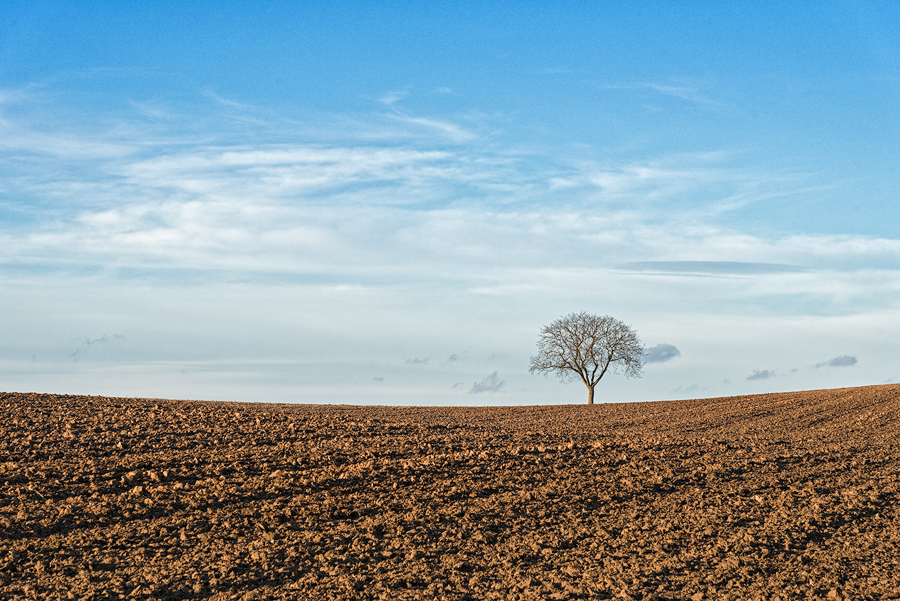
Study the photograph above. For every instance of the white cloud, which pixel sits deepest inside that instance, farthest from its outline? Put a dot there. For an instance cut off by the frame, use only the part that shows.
(842, 361)
(693, 95)
(711, 267)
(376, 235)
(661, 353)
(491, 383)
(761, 375)
(688, 390)
(687, 91)
(393, 97)
(447, 129)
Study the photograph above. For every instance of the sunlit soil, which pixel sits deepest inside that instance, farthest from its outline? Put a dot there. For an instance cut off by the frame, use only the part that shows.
(790, 496)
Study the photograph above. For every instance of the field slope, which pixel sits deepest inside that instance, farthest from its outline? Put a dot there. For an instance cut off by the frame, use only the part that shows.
(789, 496)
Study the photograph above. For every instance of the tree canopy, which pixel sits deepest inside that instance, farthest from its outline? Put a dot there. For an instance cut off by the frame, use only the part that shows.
(586, 346)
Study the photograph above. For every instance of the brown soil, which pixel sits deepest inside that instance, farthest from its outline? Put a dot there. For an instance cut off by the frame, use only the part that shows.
(777, 496)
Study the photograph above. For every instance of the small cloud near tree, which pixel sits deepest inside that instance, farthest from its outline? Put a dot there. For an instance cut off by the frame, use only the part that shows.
(491, 383)
(761, 375)
(842, 361)
(661, 353)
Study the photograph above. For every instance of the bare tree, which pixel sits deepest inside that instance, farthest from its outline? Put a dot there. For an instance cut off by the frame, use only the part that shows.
(587, 346)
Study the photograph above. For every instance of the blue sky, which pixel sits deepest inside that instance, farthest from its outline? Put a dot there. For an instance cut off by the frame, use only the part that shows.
(383, 203)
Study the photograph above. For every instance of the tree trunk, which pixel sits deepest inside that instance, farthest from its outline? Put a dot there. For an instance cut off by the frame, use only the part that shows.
(590, 395)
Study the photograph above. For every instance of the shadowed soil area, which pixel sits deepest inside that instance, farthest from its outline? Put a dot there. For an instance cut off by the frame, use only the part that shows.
(776, 496)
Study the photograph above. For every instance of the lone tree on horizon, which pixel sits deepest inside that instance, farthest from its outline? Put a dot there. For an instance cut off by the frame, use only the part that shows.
(587, 346)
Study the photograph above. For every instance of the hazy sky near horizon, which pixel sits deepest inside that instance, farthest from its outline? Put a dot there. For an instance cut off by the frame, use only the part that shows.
(354, 202)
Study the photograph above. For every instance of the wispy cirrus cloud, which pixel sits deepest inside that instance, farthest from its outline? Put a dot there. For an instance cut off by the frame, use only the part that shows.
(666, 178)
(711, 267)
(695, 96)
(689, 92)
(446, 129)
(393, 97)
(391, 209)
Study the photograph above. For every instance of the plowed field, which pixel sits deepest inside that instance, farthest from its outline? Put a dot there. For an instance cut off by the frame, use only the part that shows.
(777, 496)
